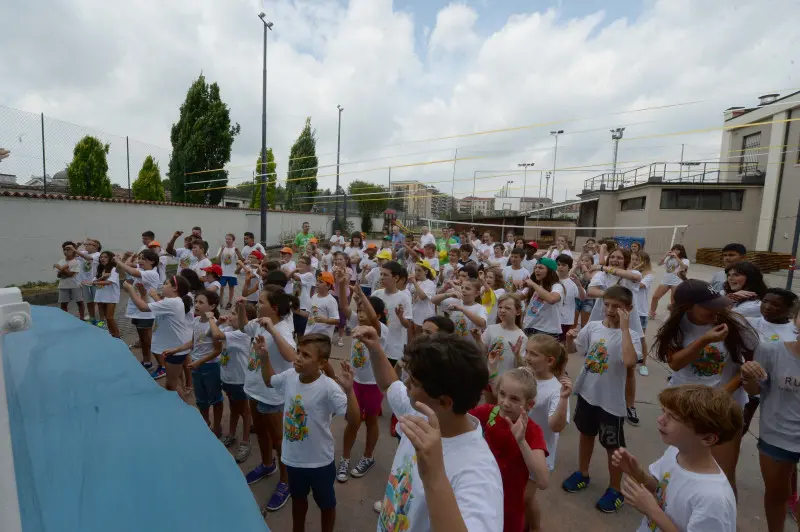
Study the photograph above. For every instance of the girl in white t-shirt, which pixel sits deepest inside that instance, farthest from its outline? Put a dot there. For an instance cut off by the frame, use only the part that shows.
(503, 342)
(561, 248)
(107, 294)
(173, 334)
(355, 247)
(543, 314)
(745, 286)
(422, 288)
(705, 343)
(491, 292)
(468, 313)
(676, 264)
(640, 261)
(145, 279)
(548, 360)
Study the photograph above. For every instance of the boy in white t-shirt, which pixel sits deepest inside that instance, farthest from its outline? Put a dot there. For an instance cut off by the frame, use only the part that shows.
(67, 271)
(186, 258)
(88, 259)
(609, 348)
(323, 314)
(398, 308)
(305, 278)
(685, 489)
(199, 250)
(443, 477)
(514, 275)
(227, 257)
(288, 266)
(311, 399)
(574, 293)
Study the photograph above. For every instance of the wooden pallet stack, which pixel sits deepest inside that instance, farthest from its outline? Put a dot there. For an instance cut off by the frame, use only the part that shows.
(765, 260)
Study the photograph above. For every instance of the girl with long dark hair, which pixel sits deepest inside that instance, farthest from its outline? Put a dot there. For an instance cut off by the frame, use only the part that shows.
(745, 286)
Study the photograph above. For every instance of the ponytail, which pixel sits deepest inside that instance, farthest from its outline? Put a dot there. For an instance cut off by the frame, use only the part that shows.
(213, 299)
(182, 285)
(278, 298)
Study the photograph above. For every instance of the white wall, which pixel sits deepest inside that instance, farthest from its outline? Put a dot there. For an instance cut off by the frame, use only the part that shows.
(32, 229)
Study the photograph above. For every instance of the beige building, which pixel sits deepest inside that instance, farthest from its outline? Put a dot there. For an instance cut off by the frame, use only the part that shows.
(471, 204)
(418, 198)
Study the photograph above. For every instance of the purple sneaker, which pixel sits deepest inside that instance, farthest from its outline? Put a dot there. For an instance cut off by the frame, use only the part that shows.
(279, 498)
(261, 472)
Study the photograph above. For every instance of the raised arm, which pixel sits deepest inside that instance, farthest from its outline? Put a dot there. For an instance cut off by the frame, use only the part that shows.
(383, 370)
(544, 294)
(171, 244)
(136, 298)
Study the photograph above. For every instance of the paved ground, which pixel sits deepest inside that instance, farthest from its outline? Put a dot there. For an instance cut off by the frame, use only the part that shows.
(562, 511)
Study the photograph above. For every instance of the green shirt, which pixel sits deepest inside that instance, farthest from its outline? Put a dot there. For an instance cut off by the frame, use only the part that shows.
(301, 240)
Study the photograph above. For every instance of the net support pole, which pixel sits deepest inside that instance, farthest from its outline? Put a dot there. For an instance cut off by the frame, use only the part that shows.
(790, 275)
(674, 234)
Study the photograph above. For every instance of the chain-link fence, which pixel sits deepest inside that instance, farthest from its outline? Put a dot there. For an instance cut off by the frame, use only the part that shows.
(41, 148)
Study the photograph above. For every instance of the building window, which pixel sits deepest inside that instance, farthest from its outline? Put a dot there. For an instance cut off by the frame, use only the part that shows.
(705, 200)
(748, 161)
(633, 204)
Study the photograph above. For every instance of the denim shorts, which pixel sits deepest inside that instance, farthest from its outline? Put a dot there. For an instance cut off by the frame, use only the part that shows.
(318, 480)
(264, 408)
(643, 320)
(143, 323)
(586, 305)
(531, 331)
(178, 360)
(228, 281)
(207, 385)
(776, 453)
(235, 392)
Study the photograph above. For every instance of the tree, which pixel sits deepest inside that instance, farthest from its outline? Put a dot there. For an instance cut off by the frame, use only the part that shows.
(201, 140)
(272, 180)
(301, 183)
(148, 185)
(88, 171)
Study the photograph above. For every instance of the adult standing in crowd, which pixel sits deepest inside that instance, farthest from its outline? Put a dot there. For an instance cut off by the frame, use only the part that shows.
(337, 241)
(398, 241)
(302, 238)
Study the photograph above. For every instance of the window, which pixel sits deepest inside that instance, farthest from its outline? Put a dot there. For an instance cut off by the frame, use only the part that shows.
(748, 161)
(705, 200)
(633, 204)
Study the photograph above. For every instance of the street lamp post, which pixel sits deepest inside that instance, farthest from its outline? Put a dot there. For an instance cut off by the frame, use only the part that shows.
(338, 149)
(267, 26)
(616, 136)
(525, 178)
(555, 133)
(508, 183)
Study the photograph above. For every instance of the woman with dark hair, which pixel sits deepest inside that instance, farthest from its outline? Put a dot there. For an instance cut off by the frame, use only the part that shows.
(746, 288)
(704, 342)
(542, 315)
(675, 265)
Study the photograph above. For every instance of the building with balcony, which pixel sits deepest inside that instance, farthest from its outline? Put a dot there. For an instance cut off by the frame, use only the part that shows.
(420, 200)
(474, 205)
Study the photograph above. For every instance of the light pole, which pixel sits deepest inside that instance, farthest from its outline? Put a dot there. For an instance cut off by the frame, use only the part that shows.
(507, 183)
(555, 133)
(338, 149)
(525, 178)
(616, 135)
(267, 26)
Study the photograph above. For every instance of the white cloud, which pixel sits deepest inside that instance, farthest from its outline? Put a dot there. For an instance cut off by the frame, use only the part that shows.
(124, 68)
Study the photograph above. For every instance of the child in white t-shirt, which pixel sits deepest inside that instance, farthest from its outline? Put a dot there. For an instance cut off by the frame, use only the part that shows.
(685, 489)
(213, 276)
(68, 271)
(514, 275)
(252, 276)
(204, 362)
(543, 315)
(228, 257)
(89, 258)
(503, 342)
(288, 266)
(574, 293)
(398, 308)
(107, 291)
(201, 262)
(145, 280)
(305, 277)
(463, 307)
(548, 360)
(448, 271)
(609, 347)
(453, 480)
(311, 399)
(324, 312)
(422, 288)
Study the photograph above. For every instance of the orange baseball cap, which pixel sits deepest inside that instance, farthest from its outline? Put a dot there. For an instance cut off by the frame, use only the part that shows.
(372, 246)
(154, 244)
(327, 277)
(288, 250)
(313, 240)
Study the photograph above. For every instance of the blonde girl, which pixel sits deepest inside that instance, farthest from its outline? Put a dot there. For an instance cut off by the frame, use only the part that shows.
(503, 341)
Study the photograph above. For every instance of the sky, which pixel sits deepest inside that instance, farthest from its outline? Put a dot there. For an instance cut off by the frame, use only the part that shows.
(421, 82)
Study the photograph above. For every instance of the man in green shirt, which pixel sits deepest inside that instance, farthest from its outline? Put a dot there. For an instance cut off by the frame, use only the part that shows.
(302, 239)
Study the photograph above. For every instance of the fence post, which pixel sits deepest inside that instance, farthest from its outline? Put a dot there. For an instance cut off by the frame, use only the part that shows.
(44, 158)
(790, 275)
(128, 159)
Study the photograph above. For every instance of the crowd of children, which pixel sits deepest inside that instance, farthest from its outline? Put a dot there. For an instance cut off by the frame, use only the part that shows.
(468, 342)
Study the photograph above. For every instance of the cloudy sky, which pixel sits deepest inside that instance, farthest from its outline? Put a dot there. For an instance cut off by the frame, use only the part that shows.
(416, 78)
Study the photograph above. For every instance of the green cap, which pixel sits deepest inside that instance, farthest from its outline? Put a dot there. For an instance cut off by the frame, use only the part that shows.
(549, 263)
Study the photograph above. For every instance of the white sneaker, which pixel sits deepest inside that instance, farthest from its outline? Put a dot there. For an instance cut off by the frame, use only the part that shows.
(342, 474)
(340, 342)
(378, 506)
(643, 371)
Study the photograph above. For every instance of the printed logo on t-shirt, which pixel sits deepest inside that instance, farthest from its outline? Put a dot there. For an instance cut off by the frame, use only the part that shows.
(254, 362)
(461, 325)
(774, 338)
(597, 358)
(671, 265)
(312, 316)
(87, 266)
(661, 498)
(398, 498)
(227, 259)
(184, 262)
(709, 362)
(535, 305)
(358, 356)
(295, 421)
(224, 358)
(509, 285)
(497, 349)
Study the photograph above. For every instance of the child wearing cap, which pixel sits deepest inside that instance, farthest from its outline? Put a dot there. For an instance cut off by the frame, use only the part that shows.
(288, 266)
(213, 275)
(373, 277)
(423, 289)
(324, 312)
(704, 342)
(531, 248)
(252, 275)
(366, 265)
(543, 315)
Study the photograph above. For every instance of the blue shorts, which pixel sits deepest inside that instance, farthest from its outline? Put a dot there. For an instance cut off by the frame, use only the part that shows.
(264, 408)
(235, 392)
(318, 480)
(178, 360)
(367, 290)
(228, 281)
(143, 323)
(207, 385)
(586, 305)
(643, 320)
(300, 323)
(776, 453)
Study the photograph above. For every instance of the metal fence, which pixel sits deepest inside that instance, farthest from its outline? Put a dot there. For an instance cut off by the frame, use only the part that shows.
(41, 148)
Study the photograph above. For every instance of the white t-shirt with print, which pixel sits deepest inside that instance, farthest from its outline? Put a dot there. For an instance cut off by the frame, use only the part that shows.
(642, 305)
(307, 282)
(510, 275)
(228, 261)
(779, 420)
(199, 265)
(566, 312)
(605, 280)
(307, 413)
(254, 384)
(498, 340)
(773, 332)
(235, 355)
(749, 309)
(398, 336)
(68, 283)
(172, 329)
(322, 307)
(109, 293)
(471, 470)
(88, 268)
(186, 259)
(149, 280)
(713, 366)
(702, 502)
(463, 325)
(548, 395)
(543, 316)
(255, 281)
(288, 268)
(326, 262)
(449, 270)
(422, 309)
(337, 243)
(202, 342)
(602, 378)
(249, 249)
(359, 354)
(671, 266)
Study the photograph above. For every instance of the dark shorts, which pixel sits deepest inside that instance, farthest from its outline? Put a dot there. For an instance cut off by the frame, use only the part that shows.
(318, 480)
(235, 392)
(228, 281)
(776, 453)
(143, 323)
(563, 336)
(178, 360)
(264, 408)
(643, 320)
(300, 323)
(207, 385)
(530, 332)
(367, 290)
(592, 420)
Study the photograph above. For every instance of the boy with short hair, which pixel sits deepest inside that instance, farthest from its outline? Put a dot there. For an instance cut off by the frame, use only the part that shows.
(443, 477)
(531, 248)
(731, 254)
(184, 255)
(288, 266)
(574, 293)
(398, 307)
(227, 257)
(67, 270)
(430, 255)
(88, 259)
(514, 275)
(311, 399)
(199, 250)
(685, 489)
(609, 348)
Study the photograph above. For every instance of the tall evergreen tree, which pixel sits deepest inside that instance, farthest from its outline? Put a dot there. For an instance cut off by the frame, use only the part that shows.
(301, 184)
(271, 178)
(88, 171)
(148, 185)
